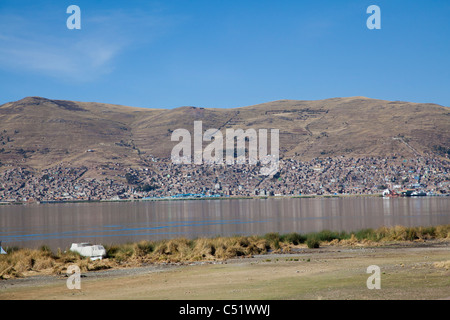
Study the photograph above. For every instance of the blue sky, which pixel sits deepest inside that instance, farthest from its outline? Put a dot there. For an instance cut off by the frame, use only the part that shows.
(214, 54)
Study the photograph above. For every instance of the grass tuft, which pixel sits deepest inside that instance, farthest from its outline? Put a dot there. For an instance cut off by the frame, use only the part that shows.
(293, 238)
(312, 242)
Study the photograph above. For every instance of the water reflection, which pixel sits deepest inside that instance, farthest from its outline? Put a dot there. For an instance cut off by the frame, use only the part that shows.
(58, 225)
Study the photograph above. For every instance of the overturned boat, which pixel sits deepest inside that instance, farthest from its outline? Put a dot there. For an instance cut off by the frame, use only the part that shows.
(86, 249)
(1, 249)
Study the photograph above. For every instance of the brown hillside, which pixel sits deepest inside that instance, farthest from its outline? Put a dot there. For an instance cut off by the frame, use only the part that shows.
(39, 132)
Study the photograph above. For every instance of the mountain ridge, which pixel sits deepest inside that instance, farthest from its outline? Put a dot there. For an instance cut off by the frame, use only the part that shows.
(40, 132)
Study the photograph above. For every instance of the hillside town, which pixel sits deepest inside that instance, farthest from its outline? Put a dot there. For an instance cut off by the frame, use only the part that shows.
(162, 179)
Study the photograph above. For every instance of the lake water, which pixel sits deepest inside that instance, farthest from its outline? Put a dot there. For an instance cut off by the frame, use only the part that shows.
(58, 225)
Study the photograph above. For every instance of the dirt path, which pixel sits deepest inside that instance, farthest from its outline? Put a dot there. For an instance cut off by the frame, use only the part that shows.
(407, 272)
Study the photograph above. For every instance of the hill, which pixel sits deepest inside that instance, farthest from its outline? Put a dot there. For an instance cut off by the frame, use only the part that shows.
(40, 133)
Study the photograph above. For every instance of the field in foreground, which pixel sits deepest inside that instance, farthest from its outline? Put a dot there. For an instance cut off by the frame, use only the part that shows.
(414, 264)
(412, 270)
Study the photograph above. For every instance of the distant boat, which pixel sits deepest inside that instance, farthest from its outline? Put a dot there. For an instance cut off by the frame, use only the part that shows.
(1, 249)
(93, 251)
(387, 194)
(418, 194)
(407, 192)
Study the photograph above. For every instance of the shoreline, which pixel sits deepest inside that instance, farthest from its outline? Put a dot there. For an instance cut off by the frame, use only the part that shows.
(377, 195)
(410, 270)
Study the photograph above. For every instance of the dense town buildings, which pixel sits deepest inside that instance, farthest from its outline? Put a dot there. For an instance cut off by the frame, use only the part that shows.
(162, 178)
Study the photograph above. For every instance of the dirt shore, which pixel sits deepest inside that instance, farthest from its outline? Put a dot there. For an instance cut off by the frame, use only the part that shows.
(408, 271)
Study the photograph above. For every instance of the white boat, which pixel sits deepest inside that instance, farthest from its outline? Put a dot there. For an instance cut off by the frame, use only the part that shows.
(1, 249)
(386, 194)
(86, 249)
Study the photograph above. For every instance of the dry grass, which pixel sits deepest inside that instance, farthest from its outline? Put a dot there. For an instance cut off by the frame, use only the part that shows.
(23, 262)
(443, 264)
(181, 249)
(400, 233)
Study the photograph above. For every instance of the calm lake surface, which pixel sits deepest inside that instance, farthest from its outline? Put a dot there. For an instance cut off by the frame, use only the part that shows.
(58, 225)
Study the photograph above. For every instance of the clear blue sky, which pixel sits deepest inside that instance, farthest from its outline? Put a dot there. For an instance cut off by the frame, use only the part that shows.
(216, 53)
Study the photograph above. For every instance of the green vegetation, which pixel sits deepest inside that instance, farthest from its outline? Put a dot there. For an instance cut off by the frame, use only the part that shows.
(294, 238)
(131, 178)
(273, 239)
(312, 242)
(147, 188)
(441, 150)
(327, 235)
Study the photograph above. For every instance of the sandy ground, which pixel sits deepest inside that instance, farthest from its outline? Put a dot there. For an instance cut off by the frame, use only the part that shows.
(408, 271)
